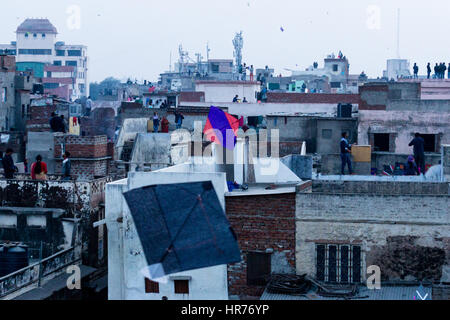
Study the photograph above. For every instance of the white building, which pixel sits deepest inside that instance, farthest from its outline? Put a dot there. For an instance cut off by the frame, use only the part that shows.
(396, 68)
(36, 46)
(126, 261)
(225, 91)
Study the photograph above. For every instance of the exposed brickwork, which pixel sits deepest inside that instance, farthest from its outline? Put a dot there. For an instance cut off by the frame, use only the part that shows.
(260, 222)
(39, 118)
(192, 97)
(292, 97)
(8, 63)
(92, 148)
(82, 147)
(86, 169)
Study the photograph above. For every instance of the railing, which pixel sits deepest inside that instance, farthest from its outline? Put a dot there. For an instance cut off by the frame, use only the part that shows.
(31, 274)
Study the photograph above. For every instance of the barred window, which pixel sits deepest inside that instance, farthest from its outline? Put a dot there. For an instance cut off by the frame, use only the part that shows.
(338, 263)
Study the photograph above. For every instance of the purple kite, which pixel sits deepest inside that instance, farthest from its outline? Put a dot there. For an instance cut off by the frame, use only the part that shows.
(218, 125)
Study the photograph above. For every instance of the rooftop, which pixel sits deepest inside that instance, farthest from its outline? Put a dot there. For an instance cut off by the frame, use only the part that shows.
(37, 25)
(385, 293)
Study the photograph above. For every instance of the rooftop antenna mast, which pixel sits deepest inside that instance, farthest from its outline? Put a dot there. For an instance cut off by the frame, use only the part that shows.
(207, 51)
(238, 43)
(398, 33)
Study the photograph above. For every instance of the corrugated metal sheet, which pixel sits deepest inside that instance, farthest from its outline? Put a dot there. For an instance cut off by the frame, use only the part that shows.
(385, 293)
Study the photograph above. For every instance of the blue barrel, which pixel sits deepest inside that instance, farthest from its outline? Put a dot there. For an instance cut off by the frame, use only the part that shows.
(12, 258)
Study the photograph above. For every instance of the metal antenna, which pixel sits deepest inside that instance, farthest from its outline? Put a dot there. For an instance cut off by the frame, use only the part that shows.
(398, 33)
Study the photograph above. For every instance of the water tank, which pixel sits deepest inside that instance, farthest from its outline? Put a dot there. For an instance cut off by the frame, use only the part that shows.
(12, 258)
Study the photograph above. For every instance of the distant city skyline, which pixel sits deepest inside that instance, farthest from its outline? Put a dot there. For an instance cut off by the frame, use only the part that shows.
(136, 38)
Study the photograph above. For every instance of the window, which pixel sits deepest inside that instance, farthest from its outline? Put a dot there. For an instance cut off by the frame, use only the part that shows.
(258, 268)
(43, 35)
(74, 53)
(71, 63)
(430, 144)
(34, 35)
(151, 286)
(49, 74)
(57, 63)
(335, 85)
(26, 35)
(60, 53)
(381, 142)
(338, 263)
(335, 68)
(36, 51)
(51, 85)
(4, 94)
(181, 286)
(215, 68)
(327, 133)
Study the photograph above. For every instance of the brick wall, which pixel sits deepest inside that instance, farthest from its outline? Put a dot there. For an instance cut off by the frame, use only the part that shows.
(8, 62)
(380, 187)
(86, 169)
(405, 235)
(82, 147)
(39, 118)
(90, 151)
(291, 97)
(261, 222)
(192, 97)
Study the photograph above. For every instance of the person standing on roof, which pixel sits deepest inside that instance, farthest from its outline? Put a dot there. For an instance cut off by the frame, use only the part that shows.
(8, 164)
(56, 123)
(416, 71)
(66, 166)
(88, 106)
(345, 154)
(252, 70)
(428, 70)
(155, 122)
(419, 152)
(39, 169)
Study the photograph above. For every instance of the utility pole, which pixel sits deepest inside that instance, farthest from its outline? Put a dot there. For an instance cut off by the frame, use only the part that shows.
(398, 33)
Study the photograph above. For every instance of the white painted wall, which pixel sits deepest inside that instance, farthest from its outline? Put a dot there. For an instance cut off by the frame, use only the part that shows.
(8, 220)
(37, 221)
(216, 92)
(48, 42)
(263, 109)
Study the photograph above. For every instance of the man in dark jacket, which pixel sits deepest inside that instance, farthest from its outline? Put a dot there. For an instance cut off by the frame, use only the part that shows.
(56, 123)
(419, 152)
(8, 164)
(345, 154)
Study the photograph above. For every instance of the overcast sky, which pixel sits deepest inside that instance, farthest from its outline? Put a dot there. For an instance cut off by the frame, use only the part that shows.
(134, 38)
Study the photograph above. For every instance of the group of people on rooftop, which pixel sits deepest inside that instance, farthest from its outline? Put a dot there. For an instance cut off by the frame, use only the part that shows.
(165, 123)
(439, 70)
(38, 170)
(58, 123)
(415, 164)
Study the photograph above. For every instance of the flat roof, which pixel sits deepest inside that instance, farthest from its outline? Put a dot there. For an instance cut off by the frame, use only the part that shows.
(260, 189)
